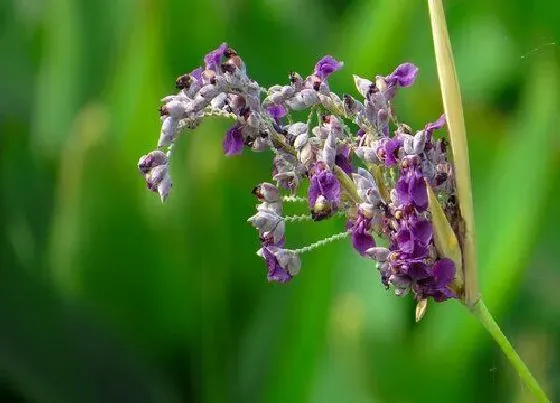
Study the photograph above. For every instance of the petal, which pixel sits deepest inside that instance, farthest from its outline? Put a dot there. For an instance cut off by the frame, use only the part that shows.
(212, 59)
(423, 231)
(405, 241)
(419, 193)
(444, 272)
(404, 75)
(233, 141)
(326, 66)
(277, 111)
(438, 124)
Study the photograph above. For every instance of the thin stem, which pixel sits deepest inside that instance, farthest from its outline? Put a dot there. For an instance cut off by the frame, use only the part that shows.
(294, 199)
(298, 218)
(452, 106)
(322, 242)
(480, 311)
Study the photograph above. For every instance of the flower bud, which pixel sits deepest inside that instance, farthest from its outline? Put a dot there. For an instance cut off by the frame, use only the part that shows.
(288, 260)
(419, 142)
(266, 192)
(176, 109)
(378, 253)
(151, 160)
(167, 133)
(368, 154)
(363, 85)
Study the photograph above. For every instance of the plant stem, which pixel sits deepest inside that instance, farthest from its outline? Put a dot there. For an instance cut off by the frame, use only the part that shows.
(480, 311)
(453, 108)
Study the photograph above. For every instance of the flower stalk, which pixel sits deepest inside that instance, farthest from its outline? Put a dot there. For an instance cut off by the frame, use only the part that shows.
(480, 311)
(452, 104)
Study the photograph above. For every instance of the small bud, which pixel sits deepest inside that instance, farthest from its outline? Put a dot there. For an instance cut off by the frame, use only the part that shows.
(362, 85)
(368, 155)
(408, 145)
(167, 133)
(151, 160)
(266, 192)
(183, 82)
(322, 209)
(300, 141)
(309, 97)
(421, 308)
(378, 253)
(175, 109)
(288, 260)
(419, 142)
(268, 222)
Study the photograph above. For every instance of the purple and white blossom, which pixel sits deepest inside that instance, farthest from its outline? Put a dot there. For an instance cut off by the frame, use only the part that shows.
(351, 158)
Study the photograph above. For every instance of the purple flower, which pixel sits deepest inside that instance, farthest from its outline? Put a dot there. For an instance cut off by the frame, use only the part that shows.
(212, 59)
(326, 66)
(233, 142)
(275, 271)
(403, 76)
(277, 112)
(323, 193)
(362, 240)
(431, 127)
(392, 150)
(437, 286)
(196, 74)
(343, 160)
(411, 189)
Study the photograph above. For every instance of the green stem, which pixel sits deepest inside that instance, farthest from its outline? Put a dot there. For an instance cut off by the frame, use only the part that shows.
(480, 311)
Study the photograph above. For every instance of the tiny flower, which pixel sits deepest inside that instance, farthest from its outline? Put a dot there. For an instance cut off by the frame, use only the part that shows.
(411, 189)
(158, 180)
(277, 112)
(288, 260)
(267, 192)
(378, 253)
(362, 240)
(391, 150)
(323, 193)
(174, 108)
(431, 127)
(212, 59)
(326, 66)
(151, 160)
(269, 223)
(303, 99)
(343, 159)
(366, 186)
(367, 154)
(438, 285)
(403, 76)
(168, 128)
(275, 271)
(419, 143)
(363, 85)
(233, 141)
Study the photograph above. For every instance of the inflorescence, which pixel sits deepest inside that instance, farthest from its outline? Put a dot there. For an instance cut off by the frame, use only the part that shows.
(343, 153)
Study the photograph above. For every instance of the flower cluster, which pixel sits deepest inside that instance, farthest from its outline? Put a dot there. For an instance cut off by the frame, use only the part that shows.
(350, 158)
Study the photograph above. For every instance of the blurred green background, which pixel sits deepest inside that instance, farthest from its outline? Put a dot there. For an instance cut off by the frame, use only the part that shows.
(108, 296)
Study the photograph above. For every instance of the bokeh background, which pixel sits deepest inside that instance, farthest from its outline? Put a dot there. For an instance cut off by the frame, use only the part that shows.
(106, 295)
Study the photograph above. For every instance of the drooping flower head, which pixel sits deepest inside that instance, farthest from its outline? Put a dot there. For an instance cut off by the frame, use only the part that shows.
(376, 177)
